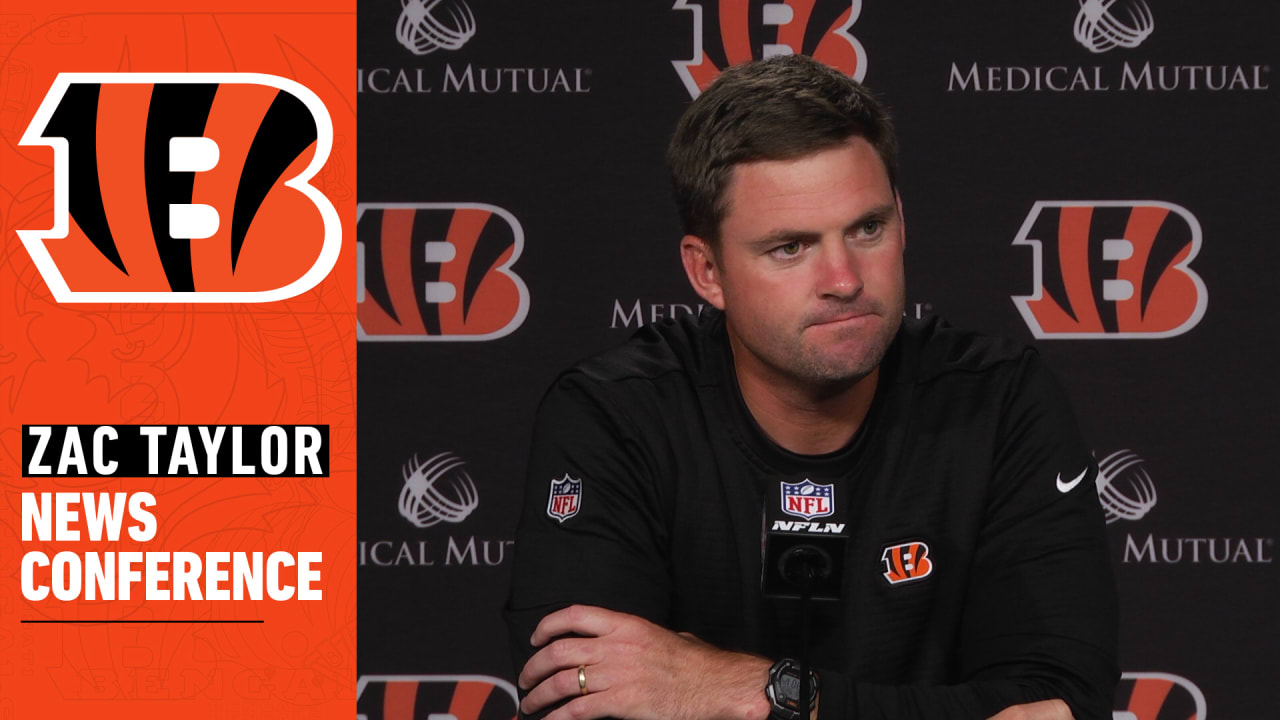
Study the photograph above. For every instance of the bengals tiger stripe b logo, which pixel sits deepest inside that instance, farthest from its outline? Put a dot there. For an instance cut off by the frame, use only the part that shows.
(423, 697)
(1158, 696)
(906, 562)
(183, 187)
(438, 272)
(1112, 269)
(732, 32)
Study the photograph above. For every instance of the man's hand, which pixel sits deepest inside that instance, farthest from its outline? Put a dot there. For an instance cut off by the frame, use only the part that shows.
(1044, 710)
(637, 670)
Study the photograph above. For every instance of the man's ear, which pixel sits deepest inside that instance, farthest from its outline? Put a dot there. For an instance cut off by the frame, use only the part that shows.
(702, 269)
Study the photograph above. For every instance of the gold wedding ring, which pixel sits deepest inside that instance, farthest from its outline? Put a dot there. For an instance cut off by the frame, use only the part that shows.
(582, 678)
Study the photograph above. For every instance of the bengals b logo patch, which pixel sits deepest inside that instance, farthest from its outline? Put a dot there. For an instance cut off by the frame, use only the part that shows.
(184, 187)
(906, 562)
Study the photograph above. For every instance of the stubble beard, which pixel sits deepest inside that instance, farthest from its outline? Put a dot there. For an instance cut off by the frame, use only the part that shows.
(793, 359)
(822, 367)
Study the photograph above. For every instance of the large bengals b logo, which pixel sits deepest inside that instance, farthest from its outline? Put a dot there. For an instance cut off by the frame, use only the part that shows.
(906, 562)
(183, 187)
(1158, 696)
(438, 272)
(421, 697)
(732, 32)
(1113, 269)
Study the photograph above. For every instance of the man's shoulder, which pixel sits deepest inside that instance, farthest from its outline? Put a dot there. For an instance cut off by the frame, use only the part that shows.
(936, 349)
(662, 359)
(672, 349)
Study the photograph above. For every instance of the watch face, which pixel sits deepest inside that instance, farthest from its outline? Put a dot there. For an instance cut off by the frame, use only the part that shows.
(789, 688)
(784, 690)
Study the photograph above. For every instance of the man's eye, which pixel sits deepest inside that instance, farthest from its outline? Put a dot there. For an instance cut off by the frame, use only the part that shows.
(871, 227)
(786, 252)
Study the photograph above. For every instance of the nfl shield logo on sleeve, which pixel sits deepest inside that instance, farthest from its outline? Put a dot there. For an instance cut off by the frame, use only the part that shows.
(566, 496)
(808, 499)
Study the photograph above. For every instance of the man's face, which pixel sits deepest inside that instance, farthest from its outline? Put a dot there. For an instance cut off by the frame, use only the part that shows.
(809, 268)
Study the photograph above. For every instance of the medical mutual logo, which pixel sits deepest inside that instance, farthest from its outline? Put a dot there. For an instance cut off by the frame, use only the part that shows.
(441, 59)
(1100, 27)
(437, 490)
(1127, 493)
(1125, 489)
(425, 26)
(1105, 24)
(732, 32)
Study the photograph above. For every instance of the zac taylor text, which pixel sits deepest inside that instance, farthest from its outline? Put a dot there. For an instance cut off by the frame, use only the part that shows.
(175, 450)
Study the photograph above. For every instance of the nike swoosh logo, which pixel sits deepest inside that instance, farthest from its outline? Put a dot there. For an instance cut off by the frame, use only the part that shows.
(1065, 487)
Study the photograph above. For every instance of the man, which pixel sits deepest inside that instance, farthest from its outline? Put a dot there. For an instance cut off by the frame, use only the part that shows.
(637, 586)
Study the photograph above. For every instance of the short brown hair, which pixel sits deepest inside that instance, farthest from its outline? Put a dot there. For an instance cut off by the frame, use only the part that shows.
(776, 109)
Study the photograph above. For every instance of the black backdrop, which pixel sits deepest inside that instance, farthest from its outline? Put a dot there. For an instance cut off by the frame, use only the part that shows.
(570, 181)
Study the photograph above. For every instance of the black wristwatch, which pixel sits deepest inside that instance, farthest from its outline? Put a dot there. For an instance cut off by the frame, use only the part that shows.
(783, 691)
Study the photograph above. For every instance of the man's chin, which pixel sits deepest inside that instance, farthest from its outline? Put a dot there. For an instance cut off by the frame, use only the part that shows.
(838, 374)
(846, 364)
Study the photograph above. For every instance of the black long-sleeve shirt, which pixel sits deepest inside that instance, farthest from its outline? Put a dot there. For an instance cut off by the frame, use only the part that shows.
(970, 448)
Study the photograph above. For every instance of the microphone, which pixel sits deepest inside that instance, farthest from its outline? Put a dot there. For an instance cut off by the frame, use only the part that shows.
(803, 554)
(803, 540)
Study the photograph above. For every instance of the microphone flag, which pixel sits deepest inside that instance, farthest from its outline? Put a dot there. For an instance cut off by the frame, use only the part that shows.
(803, 539)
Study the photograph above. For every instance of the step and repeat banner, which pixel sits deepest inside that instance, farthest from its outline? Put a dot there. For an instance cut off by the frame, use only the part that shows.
(1093, 177)
(189, 276)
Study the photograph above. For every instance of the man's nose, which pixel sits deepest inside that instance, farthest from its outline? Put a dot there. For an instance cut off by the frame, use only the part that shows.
(838, 271)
